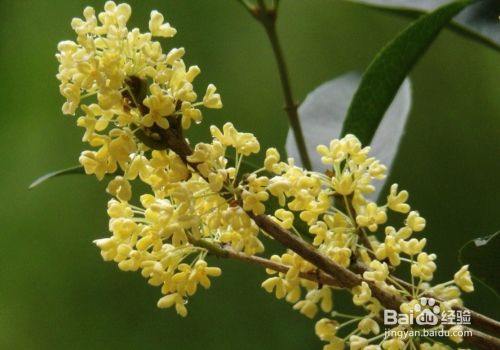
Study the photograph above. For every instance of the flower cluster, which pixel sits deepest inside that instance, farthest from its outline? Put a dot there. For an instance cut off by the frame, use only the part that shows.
(201, 202)
(125, 85)
(346, 227)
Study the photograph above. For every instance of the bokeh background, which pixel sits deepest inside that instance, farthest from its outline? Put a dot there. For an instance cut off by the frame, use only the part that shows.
(55, 291)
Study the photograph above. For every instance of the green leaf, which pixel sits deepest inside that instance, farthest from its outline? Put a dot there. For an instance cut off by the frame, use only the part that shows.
(389, 68)
(324, 110)
(478, 22)
(481, 254)
(68, 171)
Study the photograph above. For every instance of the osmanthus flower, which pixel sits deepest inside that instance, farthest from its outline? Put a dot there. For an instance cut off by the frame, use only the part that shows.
(121, 77)
(463, 279)
(134, 101)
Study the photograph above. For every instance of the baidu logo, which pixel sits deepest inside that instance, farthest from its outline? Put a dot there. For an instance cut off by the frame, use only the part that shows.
(425, 313)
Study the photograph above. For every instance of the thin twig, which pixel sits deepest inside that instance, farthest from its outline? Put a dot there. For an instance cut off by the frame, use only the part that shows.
(229, 253)
(267, 17)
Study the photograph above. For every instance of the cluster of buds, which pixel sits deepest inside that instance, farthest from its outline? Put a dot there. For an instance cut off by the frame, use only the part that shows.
(135, 101)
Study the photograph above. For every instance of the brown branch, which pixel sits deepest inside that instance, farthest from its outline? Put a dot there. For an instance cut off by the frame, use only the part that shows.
(228, 252)
(480, 340)
(482, 321)
(347, 279)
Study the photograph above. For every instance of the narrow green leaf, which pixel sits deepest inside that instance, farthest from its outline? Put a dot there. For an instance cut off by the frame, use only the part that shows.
(387, 71)
(478, 22)
(68, 171)
(481, 254)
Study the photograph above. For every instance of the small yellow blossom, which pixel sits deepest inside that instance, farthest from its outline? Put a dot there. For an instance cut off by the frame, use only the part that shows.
(335, 344)
(463, 279)
(344, 184)
(361, 294)
(389, 249)
(171, 300)
(158, 28)
(120, 188)
(379, 271)
(211, 99)
(397, 201)
(357, 342)
(456, 333)
(306, 307)
(284, 218)
(371, 216)
(276, 284)
(326, 329)
(367, 325)
(424, 267)
(413, 246)
(244, 143)
(393, 344)
(415, 221)
(340, 255)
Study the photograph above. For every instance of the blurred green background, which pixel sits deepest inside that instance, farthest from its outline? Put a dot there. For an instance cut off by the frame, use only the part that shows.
(55, 291)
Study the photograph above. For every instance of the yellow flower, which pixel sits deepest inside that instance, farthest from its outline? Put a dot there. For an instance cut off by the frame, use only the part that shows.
(160, 106)
(284, 218)
(456, 333)
(275, 284)
(340, 255)
(463, 279)
(413, 246)
(335, 153)
(271, 162)
(357, 343)
(379, 271)
(158, 28)
(343, 183)
(367, 325)
(361, 294)
(120, 188)
(171, 300)
(389, 249)
(415, 221)
(326, 329)
(371, 216)
(201, 272)
(424, 267)
(397, 201)
(335, 344)
(306, 307)
(211, 99)
(244, 143)
(393, 344)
